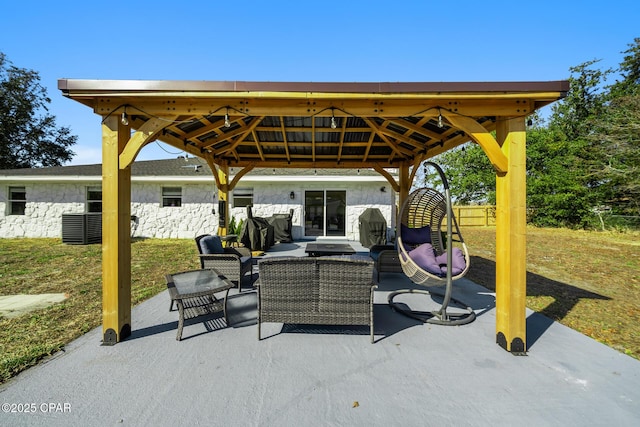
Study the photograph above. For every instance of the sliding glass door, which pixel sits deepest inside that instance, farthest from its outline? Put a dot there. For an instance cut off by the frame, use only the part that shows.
(325, 213)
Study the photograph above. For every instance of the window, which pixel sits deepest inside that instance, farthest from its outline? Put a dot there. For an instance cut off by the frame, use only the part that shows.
(94, 199)
(17, 200)
(242, 197)
(171, 196)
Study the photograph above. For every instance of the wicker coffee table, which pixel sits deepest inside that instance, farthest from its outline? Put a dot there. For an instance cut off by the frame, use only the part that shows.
(194, 293)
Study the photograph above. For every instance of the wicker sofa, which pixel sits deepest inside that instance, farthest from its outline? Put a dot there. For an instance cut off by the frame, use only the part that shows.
(316, 290)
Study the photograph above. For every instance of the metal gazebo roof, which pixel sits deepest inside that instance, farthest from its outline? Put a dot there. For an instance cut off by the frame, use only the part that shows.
(296, 124)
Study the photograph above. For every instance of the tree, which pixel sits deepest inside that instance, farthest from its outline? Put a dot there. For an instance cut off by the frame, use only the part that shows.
(556, 194)
(584, 101)
(630, 72)
(561, 190)
(616, 139)
(28, 133)
(587, 156)
(472, 178)
(616, 142)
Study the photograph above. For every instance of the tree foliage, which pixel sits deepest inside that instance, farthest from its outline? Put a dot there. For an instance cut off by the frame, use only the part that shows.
(585, 158)
(471, 176)
(616, 143)
(29, 136)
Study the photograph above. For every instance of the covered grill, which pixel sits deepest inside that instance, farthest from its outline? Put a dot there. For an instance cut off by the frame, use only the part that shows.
(373, 228)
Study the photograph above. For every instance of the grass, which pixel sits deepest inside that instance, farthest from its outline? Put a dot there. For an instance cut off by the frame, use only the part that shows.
(34, 266)
(589, 281)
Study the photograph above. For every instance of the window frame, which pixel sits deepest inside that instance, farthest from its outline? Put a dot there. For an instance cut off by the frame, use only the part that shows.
(240, 194)
(167, 197)
(13, 203)
(91, 202)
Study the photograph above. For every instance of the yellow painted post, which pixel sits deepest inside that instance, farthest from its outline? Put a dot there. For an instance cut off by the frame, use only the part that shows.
(116, 229)
(511, 265)
(223, 196)
(403, 194)
(404, 183)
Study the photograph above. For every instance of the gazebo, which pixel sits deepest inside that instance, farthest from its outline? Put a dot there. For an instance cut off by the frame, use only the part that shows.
(316, 125)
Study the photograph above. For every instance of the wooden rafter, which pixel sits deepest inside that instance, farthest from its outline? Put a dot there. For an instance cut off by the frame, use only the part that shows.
(258, 147)
(313, 139)
(343, 129)
(379, 131)
(239, 136)
(285, 140)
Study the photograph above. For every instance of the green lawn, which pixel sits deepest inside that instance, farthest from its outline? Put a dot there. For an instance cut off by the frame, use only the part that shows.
(35, 266)
(586, 280)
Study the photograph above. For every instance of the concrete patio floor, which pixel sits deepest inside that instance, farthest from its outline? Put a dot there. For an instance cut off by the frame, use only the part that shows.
(414, 375)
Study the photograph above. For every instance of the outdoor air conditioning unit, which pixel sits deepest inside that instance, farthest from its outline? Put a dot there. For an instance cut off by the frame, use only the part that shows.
(82, 228)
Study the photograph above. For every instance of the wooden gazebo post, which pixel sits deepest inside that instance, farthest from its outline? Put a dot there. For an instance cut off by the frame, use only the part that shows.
(223, 197)
(511, 239)
(116, 229)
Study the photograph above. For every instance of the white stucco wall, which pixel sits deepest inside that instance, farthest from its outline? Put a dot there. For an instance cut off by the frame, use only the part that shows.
(46, 202)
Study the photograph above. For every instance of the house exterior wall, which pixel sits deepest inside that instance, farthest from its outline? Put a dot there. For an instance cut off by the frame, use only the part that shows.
(48, 201)
(191, 219)
(269, 199)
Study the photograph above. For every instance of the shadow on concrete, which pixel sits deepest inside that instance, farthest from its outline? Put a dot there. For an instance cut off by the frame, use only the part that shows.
(565, 296)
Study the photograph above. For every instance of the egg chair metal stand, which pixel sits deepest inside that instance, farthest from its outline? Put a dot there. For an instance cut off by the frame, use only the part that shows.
(421, 222)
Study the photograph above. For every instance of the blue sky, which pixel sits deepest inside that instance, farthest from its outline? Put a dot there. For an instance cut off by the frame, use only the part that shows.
(300, 40)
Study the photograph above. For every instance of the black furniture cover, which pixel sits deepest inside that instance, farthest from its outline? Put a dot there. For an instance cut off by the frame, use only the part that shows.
(282, 227)
(373, 228)
(257, 234)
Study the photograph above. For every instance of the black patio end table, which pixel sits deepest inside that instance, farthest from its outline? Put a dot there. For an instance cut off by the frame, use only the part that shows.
(194, 293)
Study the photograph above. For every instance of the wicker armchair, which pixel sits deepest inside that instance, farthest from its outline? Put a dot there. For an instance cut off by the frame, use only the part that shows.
(316, 290)
(386, 259)
(233, 263)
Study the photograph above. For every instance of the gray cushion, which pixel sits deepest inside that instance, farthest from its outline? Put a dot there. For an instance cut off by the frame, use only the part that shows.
(211, 245)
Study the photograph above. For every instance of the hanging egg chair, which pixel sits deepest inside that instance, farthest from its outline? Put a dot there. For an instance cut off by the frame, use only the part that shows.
(432, 251)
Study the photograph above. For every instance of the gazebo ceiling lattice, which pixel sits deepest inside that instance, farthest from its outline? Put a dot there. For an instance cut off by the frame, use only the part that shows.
(330, 125)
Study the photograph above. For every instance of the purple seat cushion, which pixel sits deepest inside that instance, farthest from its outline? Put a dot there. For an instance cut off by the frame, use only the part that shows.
(211, 245)
(415, 236)
(457, 262)
(425, 258)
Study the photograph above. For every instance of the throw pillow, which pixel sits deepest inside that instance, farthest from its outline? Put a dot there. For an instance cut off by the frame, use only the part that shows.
(415, 236)
(425, 258)
(457, 261)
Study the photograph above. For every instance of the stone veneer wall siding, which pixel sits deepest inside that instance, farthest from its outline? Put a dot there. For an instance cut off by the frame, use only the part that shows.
(46, 202)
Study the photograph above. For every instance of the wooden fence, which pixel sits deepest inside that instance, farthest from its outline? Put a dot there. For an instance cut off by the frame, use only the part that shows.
(475, 216)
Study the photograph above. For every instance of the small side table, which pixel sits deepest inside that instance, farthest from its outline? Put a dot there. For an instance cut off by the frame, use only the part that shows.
(194, 293)
(230, 240)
